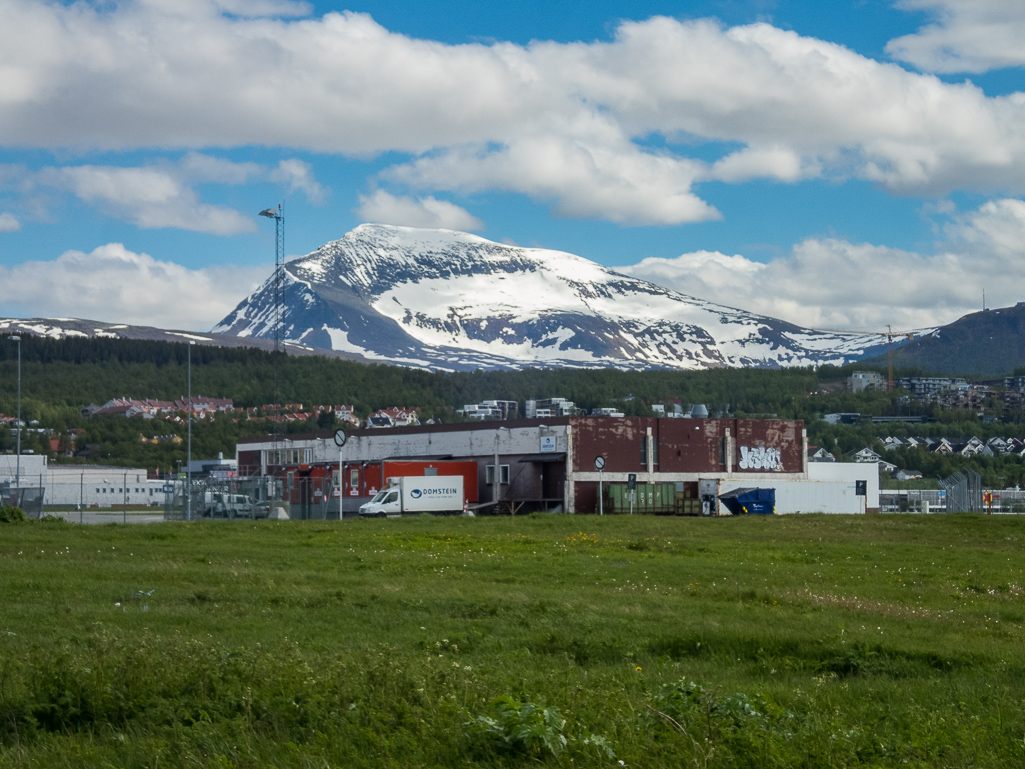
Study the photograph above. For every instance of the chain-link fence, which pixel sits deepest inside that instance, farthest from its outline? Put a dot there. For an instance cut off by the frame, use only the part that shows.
(28, 498)
(225, 498)
(290, 497)
(1005, 502)
(913, 501)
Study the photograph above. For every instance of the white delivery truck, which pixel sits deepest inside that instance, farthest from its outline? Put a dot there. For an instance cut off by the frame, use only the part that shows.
(417, 494)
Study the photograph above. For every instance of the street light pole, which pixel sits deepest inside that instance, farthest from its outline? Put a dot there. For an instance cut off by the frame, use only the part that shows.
(279, 253)
(188, 467)
(498, 474)
(17, 472)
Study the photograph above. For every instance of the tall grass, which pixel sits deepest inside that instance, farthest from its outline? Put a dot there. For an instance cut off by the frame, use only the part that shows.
(554, 640)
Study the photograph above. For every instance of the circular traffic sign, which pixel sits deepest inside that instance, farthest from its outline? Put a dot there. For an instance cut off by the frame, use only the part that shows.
(339, 438)
(599, 462)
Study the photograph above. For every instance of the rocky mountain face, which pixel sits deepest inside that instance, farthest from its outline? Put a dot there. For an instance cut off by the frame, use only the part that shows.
(989, 343)
(449, 300)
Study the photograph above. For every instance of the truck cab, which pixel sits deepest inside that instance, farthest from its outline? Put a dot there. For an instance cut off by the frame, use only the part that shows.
(386, 503)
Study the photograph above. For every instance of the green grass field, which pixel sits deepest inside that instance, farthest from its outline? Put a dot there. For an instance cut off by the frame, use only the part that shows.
(571, 641)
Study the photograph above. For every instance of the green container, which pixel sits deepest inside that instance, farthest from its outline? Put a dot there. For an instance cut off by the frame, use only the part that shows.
(616, 498)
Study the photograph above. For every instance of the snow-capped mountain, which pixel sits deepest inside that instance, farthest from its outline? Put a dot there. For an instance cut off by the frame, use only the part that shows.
(450, 300)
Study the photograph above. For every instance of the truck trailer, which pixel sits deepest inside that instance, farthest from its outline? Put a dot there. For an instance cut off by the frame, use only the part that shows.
(410, 495)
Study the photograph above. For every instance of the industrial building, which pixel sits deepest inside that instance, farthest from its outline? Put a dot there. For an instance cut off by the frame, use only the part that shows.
(77, 485)
(560, 465)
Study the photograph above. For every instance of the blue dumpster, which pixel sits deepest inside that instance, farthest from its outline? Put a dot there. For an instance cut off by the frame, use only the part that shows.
(750, 501)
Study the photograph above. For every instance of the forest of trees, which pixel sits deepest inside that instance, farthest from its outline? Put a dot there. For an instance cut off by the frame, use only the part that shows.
(60, 377)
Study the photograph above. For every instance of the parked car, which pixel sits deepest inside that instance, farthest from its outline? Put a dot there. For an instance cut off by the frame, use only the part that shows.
(223, 504)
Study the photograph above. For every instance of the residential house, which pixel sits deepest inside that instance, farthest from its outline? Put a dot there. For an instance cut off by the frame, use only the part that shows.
(393, 417)
(865, 455)
(819, 454)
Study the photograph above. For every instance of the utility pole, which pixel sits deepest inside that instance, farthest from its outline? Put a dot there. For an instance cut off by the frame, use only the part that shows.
(188, 466)
(498, 470)
(17, 472)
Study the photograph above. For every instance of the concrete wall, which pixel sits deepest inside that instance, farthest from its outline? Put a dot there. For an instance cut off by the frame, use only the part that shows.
(829, 488)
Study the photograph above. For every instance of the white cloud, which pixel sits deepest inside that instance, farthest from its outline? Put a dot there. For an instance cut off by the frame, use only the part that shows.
(299, 176)
(162, 194)
(146, 197)
(766, 162)
(385, 208)
(115, 285)
(586, 180)
(256, 8)
(831, 283)
(9, 223)
(967, 36)
(565, 123)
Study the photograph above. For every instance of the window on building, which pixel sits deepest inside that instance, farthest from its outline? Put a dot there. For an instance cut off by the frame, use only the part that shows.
(644, 450)
(289, 456)
(503, 474)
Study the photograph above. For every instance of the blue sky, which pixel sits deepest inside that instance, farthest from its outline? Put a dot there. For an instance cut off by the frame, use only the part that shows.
(840, 165)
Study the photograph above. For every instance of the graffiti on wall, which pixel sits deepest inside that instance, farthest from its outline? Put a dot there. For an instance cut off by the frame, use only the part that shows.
(760, 458)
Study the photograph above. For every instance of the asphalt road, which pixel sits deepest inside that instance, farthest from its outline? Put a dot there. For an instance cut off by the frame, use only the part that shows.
(110, 516)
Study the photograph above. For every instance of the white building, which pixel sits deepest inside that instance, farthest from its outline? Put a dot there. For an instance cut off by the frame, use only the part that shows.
(32, 467)
(544, 408)
(99, 486)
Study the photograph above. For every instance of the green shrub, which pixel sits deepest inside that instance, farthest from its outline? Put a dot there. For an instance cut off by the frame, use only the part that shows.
(12, 514)
(55, 520)
(533, 729)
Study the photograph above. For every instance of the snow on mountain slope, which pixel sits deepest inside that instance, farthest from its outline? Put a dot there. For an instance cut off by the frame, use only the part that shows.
(450, 300)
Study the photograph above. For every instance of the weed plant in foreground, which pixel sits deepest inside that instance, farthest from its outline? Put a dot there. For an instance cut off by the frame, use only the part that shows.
(792, 641)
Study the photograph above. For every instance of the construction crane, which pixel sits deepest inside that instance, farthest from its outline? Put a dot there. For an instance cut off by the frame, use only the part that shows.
(890, 334)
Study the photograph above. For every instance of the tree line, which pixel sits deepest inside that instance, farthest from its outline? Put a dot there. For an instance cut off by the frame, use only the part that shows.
(60, 377)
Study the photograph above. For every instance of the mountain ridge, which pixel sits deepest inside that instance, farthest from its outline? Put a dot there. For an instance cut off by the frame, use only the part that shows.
(446, 299)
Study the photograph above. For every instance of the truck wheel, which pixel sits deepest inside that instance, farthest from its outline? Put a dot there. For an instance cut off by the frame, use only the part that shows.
(381, 515)
(231, 513)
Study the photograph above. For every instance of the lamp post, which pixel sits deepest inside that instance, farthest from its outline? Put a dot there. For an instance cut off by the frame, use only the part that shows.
(542, 429)
(17, 461)
(279, 250)
(340, 443)
(497, 477)
(188, 450)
